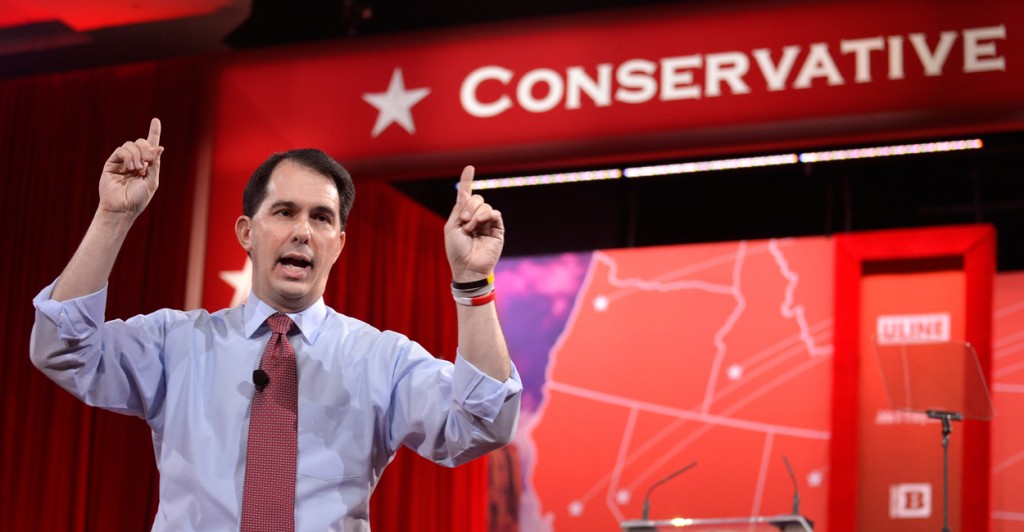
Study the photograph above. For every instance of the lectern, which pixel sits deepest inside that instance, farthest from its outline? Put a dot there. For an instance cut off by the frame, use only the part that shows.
(940, 379)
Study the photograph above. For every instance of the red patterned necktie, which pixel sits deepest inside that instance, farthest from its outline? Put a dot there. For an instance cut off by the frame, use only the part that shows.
(268, 500)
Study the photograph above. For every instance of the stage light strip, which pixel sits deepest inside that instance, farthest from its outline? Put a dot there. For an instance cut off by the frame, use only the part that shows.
(546, 179)
(708, 166)
(888, 151)
(728, 164)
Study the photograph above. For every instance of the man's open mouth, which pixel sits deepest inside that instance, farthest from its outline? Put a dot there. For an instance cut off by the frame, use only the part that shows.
(295, 263)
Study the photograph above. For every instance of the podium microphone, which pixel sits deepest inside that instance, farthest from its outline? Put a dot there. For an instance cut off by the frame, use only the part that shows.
(647, 498)
(796, 487)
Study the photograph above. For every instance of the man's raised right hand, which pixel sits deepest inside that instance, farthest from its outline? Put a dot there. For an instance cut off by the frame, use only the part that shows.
(131, 174)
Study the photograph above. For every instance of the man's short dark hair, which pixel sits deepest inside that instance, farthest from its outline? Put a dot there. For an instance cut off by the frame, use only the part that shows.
(311, 158)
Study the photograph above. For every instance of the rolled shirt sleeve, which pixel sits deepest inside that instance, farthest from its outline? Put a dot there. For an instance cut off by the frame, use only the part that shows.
(116, 365)
(479, 393)
(74, 319)
(449, 413)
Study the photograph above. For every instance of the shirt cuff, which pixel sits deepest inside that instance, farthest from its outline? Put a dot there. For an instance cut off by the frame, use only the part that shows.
(479, 393)
(76, 318)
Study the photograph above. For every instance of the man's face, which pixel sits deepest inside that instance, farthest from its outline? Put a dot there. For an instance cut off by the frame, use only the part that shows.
(294, 238)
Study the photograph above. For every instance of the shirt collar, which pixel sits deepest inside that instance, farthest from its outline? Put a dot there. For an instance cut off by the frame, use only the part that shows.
(255, 313)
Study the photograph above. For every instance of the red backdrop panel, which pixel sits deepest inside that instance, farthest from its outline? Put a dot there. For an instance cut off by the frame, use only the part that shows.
(897, 453)
(976, 246)
(1008, 396)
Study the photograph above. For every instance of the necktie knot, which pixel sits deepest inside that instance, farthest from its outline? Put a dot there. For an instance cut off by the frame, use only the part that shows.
(280, 323)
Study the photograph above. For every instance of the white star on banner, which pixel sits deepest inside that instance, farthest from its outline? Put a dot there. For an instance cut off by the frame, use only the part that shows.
(395, 105)
(241, 281)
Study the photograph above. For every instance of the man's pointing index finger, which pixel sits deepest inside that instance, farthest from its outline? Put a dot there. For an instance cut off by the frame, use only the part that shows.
(466, 182)
(154, 133)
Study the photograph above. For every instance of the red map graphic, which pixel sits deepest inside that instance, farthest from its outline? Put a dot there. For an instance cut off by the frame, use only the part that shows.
(715, 353)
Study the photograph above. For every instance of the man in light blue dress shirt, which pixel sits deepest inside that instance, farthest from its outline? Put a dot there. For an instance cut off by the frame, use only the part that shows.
(362, 393)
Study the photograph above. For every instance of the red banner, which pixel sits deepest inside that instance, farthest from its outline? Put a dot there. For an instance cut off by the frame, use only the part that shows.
(681, 79)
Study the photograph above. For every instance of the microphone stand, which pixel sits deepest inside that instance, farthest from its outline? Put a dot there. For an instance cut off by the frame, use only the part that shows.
(647, 498)
(947, 428)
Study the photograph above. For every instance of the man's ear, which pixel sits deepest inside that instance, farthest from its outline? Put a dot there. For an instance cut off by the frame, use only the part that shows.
(243, 230)
(341, 238)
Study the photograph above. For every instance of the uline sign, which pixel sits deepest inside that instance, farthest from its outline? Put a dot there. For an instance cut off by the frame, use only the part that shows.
(913, 328)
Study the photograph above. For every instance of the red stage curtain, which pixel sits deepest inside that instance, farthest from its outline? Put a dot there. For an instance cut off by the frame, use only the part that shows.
(70, 467)
(67, 466)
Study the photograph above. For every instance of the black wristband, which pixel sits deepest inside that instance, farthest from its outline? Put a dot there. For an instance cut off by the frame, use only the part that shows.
(473, 285)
